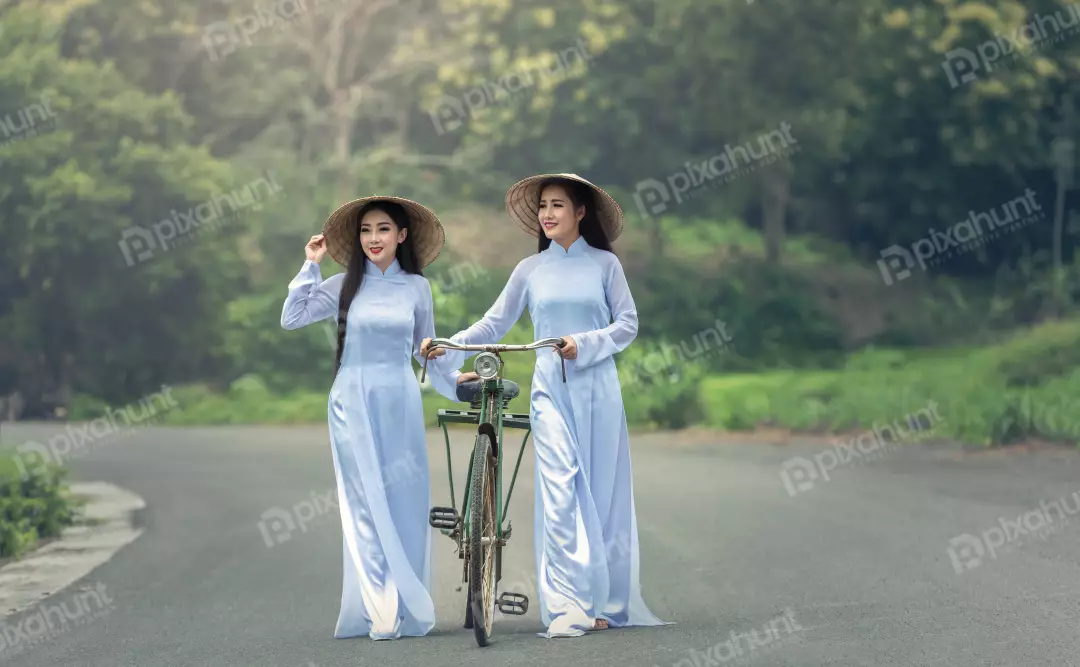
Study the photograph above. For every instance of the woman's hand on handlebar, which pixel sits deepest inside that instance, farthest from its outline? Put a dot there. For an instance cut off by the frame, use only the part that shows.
(425, 350)
(569, 349)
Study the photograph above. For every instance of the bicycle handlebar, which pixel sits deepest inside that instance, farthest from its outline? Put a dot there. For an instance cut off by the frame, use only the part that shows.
(535, 345)
(451, 345)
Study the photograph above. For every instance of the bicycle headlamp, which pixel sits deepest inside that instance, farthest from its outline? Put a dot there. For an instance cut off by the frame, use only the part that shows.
(487, 365)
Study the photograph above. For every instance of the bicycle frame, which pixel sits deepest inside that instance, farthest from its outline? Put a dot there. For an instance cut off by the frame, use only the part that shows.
(491, 411)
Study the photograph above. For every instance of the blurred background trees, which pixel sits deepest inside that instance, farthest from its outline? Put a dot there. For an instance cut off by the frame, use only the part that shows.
(125, 116)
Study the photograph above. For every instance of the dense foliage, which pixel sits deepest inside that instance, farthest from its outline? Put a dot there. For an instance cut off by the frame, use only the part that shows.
(162, 165)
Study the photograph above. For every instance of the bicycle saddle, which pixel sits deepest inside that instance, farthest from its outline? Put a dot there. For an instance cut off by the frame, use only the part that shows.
(471, 390)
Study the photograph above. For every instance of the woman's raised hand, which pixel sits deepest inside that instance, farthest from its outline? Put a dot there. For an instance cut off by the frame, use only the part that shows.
(316, 248)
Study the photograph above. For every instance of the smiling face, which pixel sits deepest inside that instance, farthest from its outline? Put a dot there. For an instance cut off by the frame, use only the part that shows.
(558, 216)
(380, 237)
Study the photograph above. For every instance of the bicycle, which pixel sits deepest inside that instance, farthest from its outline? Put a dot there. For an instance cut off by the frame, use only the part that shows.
(478, 531)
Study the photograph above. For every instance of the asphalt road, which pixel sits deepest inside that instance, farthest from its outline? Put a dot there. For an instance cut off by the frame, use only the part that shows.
(855, 570)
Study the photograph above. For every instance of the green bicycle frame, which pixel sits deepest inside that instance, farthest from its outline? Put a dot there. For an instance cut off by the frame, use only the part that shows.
(490, 412)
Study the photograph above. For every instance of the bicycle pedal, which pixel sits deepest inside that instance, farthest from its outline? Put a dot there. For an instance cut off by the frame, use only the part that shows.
(513, 603)
(443, 517)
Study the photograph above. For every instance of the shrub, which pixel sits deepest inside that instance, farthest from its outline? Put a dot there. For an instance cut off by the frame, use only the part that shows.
(1047, 351)
(771, 314)
(33, 506)
(659, 390)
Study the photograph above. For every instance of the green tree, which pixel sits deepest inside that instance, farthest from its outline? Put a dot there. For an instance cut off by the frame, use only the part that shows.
(76, 308)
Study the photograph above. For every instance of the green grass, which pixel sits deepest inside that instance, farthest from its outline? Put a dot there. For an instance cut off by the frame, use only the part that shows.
(249, 401)
(34, 504)
(1019, 389)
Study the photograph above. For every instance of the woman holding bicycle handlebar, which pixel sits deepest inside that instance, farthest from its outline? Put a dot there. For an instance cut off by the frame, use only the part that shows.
(585, 525)
(383, 307)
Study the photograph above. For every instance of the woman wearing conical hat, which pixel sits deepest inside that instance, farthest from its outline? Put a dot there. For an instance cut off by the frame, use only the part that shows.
(383, 307)
(585, 526)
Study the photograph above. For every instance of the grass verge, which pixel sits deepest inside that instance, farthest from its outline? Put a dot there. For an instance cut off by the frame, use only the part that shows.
(249, 401)
(1026, 387)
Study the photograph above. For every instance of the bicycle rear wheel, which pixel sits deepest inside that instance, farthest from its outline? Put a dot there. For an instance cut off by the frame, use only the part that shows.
(482, 540)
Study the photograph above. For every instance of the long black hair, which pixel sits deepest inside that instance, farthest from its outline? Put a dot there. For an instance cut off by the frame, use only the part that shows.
(354, 275)
(580, 195)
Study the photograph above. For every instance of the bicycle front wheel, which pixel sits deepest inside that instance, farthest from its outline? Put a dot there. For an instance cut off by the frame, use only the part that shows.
(482, 539)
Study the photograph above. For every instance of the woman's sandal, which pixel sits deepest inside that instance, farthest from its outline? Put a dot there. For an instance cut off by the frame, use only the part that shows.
(601, 624)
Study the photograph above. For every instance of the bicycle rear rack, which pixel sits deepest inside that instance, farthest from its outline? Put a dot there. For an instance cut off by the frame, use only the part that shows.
(510, 419)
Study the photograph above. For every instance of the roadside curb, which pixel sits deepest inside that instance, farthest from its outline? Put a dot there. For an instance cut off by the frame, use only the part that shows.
(109, 525)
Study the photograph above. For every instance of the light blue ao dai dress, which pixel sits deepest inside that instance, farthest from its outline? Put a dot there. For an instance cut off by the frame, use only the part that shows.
(585, 535)
(377, 439)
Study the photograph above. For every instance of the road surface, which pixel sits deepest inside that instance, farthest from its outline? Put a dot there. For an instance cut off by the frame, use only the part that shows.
(922, 556)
